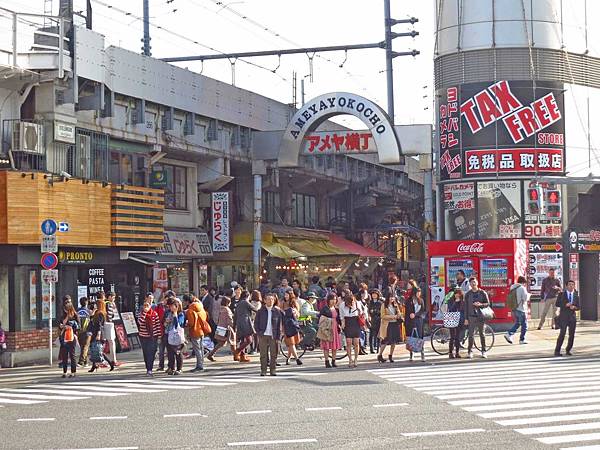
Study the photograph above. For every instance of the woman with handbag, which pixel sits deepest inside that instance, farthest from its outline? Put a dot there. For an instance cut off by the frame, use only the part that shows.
(456, 306)
(244, 325)
(351, 315)
(330, 320)
(224, 331)
(374, 308)
(96, 327)
(416, 312)
(174, 321)
(389, 331)
(291, 327)
(69, 324)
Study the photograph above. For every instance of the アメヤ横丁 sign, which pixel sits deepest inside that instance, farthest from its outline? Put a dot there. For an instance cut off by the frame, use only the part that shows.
(318, 110)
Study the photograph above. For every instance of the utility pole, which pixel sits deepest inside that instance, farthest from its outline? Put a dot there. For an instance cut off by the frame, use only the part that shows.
(390, 54)
(146, 38)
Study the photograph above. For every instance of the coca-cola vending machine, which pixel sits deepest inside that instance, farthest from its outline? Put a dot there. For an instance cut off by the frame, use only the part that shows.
(496, 263)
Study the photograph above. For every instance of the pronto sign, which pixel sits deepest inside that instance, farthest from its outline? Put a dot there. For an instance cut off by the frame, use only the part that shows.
(322, 108)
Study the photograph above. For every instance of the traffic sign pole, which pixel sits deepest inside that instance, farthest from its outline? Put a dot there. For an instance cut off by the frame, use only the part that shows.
(49, 261)
(50, 324)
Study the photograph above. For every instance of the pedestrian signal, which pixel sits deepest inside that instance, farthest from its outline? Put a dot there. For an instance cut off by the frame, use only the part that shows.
(535, 201)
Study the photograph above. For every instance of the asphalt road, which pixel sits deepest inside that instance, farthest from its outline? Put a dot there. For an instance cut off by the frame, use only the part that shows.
(402, 405)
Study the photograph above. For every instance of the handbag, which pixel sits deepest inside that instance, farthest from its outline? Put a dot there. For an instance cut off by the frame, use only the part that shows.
(96, 352)
(325, 332)
(176, 336)
(221, 331)
(451, 319)
(414, 343)
(362, 320)
(486, 313)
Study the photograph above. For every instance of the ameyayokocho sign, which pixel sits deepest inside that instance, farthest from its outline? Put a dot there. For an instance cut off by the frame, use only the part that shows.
(321, 108)
(328, 142)
(220, 221)
(501, 128)
(186, 244)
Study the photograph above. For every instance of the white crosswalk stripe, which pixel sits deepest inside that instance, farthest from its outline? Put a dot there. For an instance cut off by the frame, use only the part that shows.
(554, 401)
(89, 387)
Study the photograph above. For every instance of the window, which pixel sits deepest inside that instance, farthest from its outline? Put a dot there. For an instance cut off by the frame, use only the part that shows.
(304, 210)
(337, 210)
(271, 207)
(176, 188)
(127, 168)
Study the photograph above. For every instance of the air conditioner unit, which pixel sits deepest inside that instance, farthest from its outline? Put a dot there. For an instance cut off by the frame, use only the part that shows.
(27, 137)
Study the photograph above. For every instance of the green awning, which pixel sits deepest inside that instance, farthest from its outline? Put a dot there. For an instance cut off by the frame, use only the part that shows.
(118, 145)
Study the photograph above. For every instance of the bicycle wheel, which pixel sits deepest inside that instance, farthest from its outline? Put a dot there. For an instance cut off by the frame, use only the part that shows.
(285, 351)
(490, 338)
(440, 339)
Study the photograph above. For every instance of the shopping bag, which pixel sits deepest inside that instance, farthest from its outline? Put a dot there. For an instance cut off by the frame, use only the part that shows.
(96, 352)
(176, 336)
(451, 319)
(414, 343)
(325, 331)
(486, 313)
(207, 343)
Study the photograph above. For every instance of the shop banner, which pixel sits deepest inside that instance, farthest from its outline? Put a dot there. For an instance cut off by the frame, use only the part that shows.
(585, 241)
(501, 128)
(220, 222)
(539, 266)
(499, 206)
(459, 210)
(32, 295)
(186, 244)
(160, 281)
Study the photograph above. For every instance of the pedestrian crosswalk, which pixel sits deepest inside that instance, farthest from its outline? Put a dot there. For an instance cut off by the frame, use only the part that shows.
(555, 401)
(86, 387)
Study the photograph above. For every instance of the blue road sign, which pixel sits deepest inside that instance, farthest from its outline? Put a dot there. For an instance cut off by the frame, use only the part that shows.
(49, 227)
(63, 227)
(49, 261)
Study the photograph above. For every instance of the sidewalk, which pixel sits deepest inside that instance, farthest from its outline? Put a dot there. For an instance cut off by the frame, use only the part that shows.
(541, 343)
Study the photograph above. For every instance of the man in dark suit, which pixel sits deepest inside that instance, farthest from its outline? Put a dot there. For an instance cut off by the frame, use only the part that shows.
(568, 302)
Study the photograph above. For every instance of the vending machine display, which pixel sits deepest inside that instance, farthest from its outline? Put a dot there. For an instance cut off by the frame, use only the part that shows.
(494, 272)
(454, 265)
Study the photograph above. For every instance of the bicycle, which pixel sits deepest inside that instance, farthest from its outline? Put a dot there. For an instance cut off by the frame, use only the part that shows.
(440, 338)
(307, 345)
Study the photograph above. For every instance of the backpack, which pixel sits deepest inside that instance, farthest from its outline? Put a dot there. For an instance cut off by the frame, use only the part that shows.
(511, 299)
(84, 318)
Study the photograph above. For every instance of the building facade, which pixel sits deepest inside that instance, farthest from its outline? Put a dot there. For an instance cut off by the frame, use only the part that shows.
(517, 97)
(126, 153)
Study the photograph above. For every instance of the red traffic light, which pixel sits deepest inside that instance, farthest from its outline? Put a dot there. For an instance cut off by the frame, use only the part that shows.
(553, 197)
(534, 195)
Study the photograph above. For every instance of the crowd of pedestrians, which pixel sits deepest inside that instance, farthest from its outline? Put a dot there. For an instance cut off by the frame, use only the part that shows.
(333, 318)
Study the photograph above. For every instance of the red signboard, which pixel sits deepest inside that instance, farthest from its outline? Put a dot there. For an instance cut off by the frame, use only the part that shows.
(474, 247)
(514, 160)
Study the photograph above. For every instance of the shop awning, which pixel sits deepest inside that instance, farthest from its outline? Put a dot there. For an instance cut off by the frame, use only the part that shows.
(152, 259)
(352, 247)
(279, 250)
(216, 184)
(312, 248)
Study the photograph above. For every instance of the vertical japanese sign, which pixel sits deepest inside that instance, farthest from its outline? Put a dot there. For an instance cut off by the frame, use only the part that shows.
(459, 210)
(499, 209)
(33, 295)
(450, 158)
(220, 221)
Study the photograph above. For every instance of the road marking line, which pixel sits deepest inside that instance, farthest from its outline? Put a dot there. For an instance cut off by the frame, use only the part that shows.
(87, 387)
(185, 415)
(21, 402)
(532, 391)
(324, 408)
(569, 438)
(40, 397)
(542, 411)
(103, 448)
(58, 391)
(536, 404)
(551, 419)
(586, 447)
(390, 405)
(501, 387)
(559, 428)
(260, 411)
(443, 433)
(37, 419)
(520, 399)
(108, 418)
(282, 441)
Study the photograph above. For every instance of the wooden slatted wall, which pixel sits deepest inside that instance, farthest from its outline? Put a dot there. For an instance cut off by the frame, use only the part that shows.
(137, 216)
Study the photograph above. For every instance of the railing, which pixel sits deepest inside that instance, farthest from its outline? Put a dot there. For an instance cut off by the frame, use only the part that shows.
(137, 216)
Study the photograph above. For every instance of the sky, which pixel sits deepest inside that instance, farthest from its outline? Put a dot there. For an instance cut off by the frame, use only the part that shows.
(200, 27)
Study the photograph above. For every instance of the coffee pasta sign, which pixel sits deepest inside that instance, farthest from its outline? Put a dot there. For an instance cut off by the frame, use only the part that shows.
(318, 110)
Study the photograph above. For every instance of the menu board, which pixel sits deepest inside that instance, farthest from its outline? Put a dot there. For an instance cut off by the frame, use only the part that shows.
(129, 322)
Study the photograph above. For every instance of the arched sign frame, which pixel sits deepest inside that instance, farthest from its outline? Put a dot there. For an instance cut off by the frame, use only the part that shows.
(316, 111)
